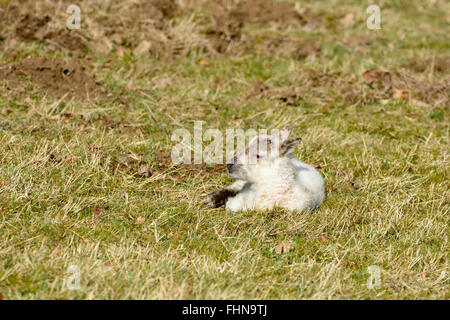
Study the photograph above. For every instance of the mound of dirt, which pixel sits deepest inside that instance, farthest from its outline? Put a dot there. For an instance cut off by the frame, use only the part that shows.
(225, 28)
(37, 21)
(129, 24)
(56, 77)
(63, 38)
(227, 22)
(168, 8)
(373, 86)
(122, 22)
(263, 11)
(148, 27)
(30, 27)
(441, 65)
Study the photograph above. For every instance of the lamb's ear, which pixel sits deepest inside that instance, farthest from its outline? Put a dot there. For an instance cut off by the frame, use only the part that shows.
(284, 133)
(288, 146)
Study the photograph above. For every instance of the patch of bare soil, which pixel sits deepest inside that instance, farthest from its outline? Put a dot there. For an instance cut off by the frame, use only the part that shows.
(124, 23)
(298, 49)
(263, 11)
(147, 27)
(57, 77)
(258, 89)
(30, 27)
(306, 48)
(440, 65)
(64, 39)
(290, 95)
(373, 86)
(28, 21)
(131, 164)
(131, 22)
(225, 27)
(225, 30)
(421, 88)
(381, 86)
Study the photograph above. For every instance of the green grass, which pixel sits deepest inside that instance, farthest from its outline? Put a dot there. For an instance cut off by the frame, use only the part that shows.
(63, 201)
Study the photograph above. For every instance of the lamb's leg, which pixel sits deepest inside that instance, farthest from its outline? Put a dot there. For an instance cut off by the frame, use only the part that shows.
(237, 203)
(218, 198)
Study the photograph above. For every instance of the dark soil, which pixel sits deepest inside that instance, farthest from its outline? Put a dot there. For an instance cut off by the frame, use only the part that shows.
(54, 76)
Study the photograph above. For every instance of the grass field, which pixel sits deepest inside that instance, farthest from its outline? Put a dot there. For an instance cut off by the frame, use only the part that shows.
(86, 177)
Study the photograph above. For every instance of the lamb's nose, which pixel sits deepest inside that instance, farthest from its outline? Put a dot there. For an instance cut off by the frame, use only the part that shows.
(229, 166)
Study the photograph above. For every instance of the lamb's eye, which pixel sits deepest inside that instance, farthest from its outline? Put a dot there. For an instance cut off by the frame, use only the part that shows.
(258, 157)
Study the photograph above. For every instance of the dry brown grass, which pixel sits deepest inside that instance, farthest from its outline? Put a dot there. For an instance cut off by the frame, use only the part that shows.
(88, 182)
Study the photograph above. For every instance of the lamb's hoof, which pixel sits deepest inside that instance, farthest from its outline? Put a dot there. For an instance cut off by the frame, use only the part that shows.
(217, 199)
(209, 200)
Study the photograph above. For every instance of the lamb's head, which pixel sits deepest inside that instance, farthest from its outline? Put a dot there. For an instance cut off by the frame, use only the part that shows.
(264, 159)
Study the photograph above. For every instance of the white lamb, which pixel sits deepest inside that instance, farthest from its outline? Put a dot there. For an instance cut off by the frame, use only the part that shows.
(276, 178)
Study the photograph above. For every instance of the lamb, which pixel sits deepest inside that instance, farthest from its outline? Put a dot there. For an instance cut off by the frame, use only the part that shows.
(276, 178)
